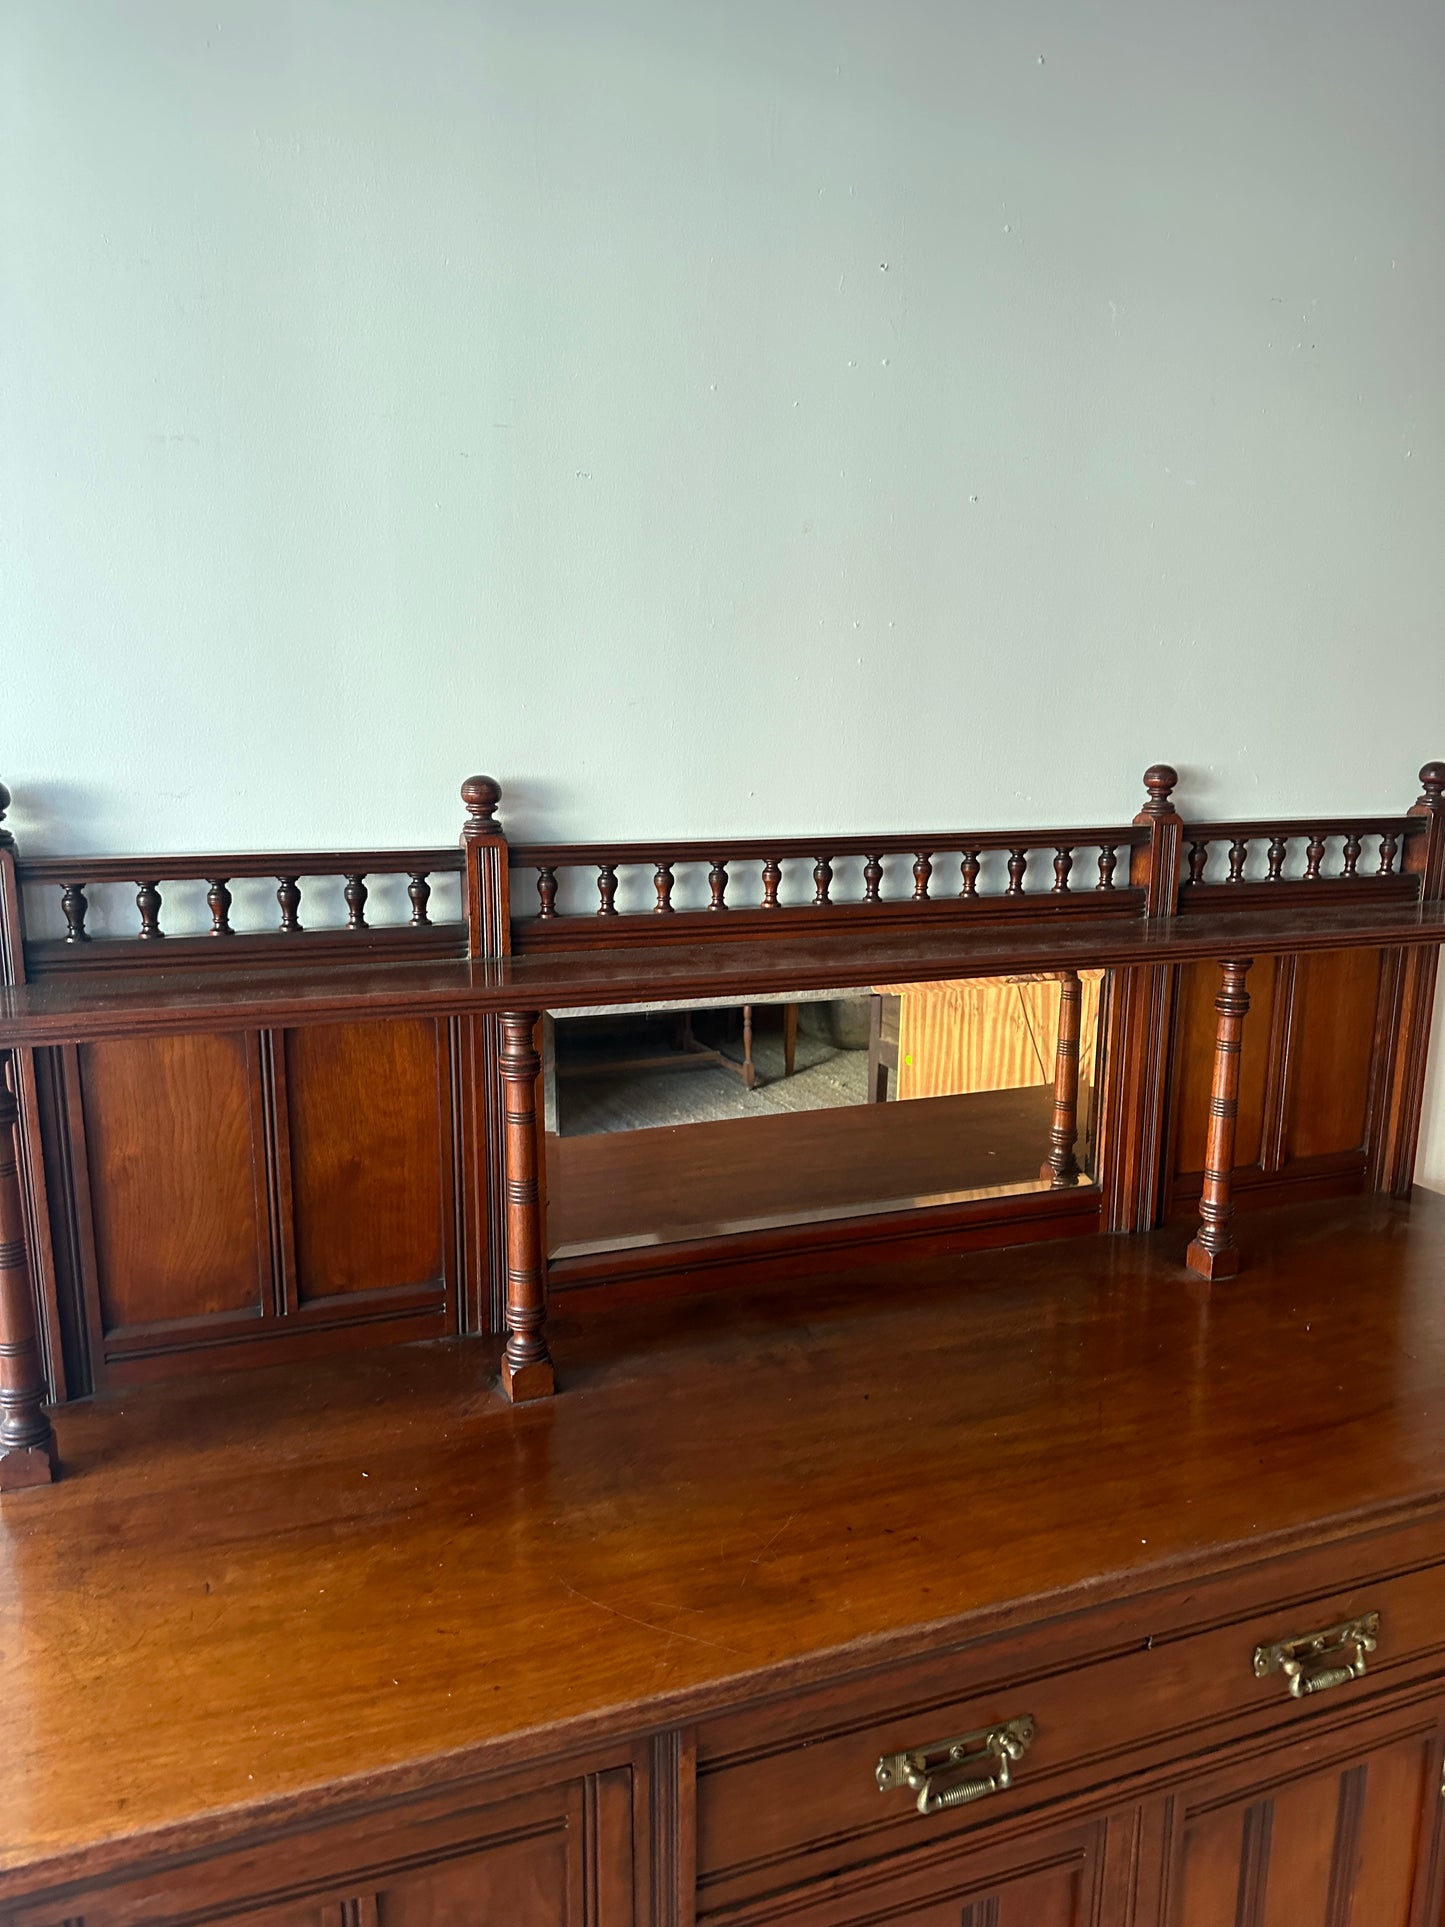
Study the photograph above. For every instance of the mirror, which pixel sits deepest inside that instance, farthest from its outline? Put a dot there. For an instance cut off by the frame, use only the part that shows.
(673, 1122)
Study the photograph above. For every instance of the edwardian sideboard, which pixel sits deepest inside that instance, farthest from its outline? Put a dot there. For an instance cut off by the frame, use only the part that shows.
(1011, 1557)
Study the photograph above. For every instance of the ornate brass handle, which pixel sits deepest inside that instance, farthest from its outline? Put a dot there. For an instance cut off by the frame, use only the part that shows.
(1314, 1662)
(1000, 1747)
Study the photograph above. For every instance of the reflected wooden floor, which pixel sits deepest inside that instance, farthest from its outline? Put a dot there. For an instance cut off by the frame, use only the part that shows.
(629, 1188)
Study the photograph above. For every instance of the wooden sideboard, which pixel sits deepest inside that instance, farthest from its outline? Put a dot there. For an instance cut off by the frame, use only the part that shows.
(1000, 1564)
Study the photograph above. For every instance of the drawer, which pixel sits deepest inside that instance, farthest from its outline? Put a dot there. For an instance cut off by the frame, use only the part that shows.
(787, 1794)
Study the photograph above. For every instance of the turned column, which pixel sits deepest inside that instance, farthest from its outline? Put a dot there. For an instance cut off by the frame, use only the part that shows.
(1213, 1252)
(1061, 1166)
(27, 1444)
(526, 1362)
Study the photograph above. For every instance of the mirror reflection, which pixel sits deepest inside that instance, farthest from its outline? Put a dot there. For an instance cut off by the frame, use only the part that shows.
(668, 1122)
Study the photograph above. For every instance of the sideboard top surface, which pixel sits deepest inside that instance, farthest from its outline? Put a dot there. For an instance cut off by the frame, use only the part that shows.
(77, 1008)
(244, 1587)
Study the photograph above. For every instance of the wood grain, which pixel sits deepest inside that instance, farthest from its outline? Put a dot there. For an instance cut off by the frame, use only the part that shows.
(1334, 1036)
(172, 1139)
(377, 1561)
(369, 1110)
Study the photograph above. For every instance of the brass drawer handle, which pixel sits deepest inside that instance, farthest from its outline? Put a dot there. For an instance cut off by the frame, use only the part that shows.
(1317, 1661)
(918, 1769)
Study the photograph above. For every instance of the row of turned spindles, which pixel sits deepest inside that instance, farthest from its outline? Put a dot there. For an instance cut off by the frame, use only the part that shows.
(1278, 851)
(75, 905)
(772, 876)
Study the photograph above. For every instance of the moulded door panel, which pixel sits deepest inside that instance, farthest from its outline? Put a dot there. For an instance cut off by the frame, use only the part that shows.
(1334, 1832)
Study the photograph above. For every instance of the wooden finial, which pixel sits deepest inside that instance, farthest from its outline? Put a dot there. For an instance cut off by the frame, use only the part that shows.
(481, 794)
(1159, 781)
(7, 841)
(1432, 788)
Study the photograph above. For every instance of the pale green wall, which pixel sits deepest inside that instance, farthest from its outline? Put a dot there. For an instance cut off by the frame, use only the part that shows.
(714, 412)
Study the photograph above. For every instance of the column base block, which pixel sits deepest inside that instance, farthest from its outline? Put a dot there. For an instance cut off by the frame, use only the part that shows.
(1212, 1264)
(523, 1383)
(24, 1465)
(1058, 1180)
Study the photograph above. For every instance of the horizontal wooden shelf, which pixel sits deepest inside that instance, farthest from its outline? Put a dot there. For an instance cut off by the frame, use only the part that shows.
(66, 1010)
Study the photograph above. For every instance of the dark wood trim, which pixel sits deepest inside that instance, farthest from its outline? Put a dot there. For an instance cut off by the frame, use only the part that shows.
(261, 950)
(790, 921)
(1212, 899)
(27, 1442)
(63, 1011)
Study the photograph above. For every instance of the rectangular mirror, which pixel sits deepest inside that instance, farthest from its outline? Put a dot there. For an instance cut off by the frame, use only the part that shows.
(669, 1123)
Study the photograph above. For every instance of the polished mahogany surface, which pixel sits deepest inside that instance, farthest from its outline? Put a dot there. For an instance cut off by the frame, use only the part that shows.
(68, 1010)
(302, 1578)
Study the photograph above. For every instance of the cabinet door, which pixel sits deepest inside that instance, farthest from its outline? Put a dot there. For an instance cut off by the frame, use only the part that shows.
(1338, 1831)
(558, 1857)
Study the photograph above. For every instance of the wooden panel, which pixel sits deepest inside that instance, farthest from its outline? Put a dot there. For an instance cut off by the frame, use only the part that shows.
(557, 1857)
(1332, 1041)
(1047, 1879)
(1291, 1842)
(1193, 1065)
(176, 1163)
(370, 1156)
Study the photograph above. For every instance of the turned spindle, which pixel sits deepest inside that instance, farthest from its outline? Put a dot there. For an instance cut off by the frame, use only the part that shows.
(1108, 863)
(546, 893)
(717, 884)
(1389, 848)
(418, 891)
(73, 903)
(772, 877)
(968, 871)
(1351, 856)
(1018, 863)
(922, 871)
(1213, 1252)
(822, 884)
(288, 895)
(1314, 856)
(1198, 861)
(872, 879)
(27, 1443)
(526, 1363)
(148, 902)
(607, 890)
(1278, 850)
(218, 901)
(355, 894)
(1061, 1166)
(662, 884)
(1063, 863)
(1238, 857)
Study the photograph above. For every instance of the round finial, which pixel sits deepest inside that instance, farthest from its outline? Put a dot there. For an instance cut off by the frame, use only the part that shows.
(7, 841)
(1159, 781)
(481, 794)
(1432, 784)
